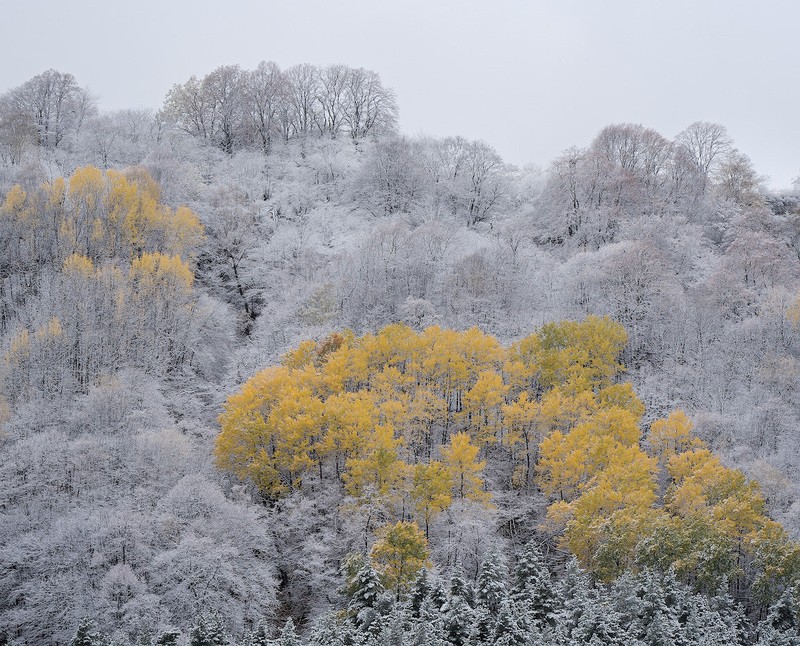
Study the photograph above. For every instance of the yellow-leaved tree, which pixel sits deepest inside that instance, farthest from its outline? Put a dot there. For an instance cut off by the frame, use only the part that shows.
(407, 423)
(113, 267)
(401, 552)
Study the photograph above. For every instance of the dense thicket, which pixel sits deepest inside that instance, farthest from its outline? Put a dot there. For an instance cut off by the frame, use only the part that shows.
(119, 341)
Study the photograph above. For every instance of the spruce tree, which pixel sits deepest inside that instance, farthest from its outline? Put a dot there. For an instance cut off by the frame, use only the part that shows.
(168, 637)
(457, 620)
(365, 589)
(574, 599)
(600, 624)
(259, 637)
(491, 582)
(88, 635)
(288, 636)
(207, 631)
(506, 628)
(533, 590)
(460, 587)
(781, 615)
(706, 626)
(330, 631)
(732, 614)
(482, 631)
(420, 590)
(658, 618)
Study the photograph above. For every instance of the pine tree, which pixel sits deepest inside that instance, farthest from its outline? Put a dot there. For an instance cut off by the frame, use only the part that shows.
(88, 635)
(168, 637)
(460, 587)
(458, 618)
(207, 631)
(288, 636)
(491, 582)
(533, 589)
(420, 590)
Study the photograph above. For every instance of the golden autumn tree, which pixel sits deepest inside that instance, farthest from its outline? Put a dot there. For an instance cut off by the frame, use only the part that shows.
(102, 215)
(460, 458)
(406, 423)
(521, 419)
(432, 490)
(377, 470)
(113, 264)
(401, 552)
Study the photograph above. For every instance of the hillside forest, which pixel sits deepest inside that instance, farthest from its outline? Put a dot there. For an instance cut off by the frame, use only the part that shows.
(274, 372)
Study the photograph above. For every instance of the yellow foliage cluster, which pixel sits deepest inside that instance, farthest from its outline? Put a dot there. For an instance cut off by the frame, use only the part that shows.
(100, 215)
(406, 415)
(399, 554)
(616, 507)
(123, 295)
(418, 416)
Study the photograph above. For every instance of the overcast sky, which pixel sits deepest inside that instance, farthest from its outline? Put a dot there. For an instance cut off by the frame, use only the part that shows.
(530, 77)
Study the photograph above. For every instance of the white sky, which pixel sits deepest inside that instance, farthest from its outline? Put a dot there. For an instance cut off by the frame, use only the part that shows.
(530, 77)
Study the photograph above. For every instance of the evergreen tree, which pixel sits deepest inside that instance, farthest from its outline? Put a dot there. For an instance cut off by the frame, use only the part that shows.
(491, 590)
(385, 612)
(288, 636)
(437, 597)
(533, 589)
(507, 630)
(781, 615)
(365, 590)
(600, 624)
(780, 626)
(768, 635)
(626, 599)
(329, 631)
(168, 637)
(259, 637)
(88, 635)
(207, 631)
(460, 587)
(575, 598)
(482, 631)
(731, 614)
(706, 626)
(393, 628)
(658, 618)
(429, 628)
(420, 590)
(458, 619)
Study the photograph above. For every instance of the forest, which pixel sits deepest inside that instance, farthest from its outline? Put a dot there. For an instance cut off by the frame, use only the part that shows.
(274, 372)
